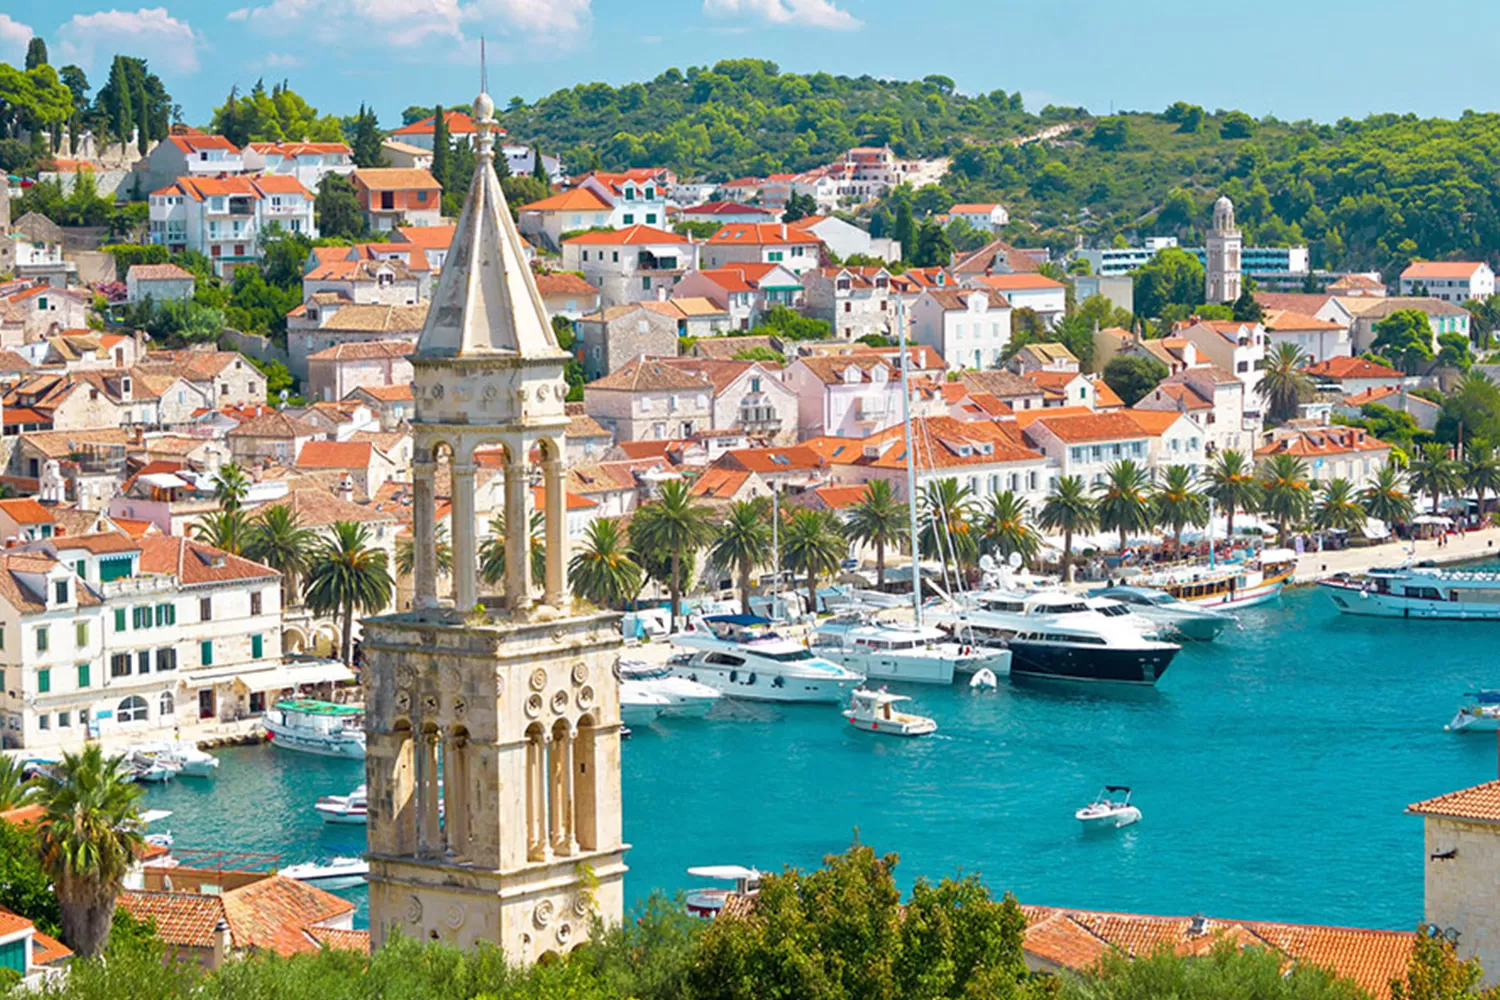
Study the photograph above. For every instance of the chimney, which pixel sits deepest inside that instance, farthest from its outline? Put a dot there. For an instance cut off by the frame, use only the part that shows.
(346, 488)
(221, 943)
(783, 230)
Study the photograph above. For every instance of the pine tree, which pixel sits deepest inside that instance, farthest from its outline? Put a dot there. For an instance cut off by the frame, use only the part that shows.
(440, 147)
(231, 124)
(36, 53)
(538, 167)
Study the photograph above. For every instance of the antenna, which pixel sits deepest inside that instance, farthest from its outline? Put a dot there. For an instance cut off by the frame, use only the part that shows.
(484, 77)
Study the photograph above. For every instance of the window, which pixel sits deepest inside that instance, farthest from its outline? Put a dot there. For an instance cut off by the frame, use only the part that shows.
(132, 709)
(255, 603)
(119, 665)
(629, 220)
(168, 704)
(44, 722)
(43, 681)
(64, 720)
(140, 616)
(41, 639)
(83, 675)
(60, 588)
(166, 659)
(206, 652)
(166, 614)
(206, 609)
(646, 284)
(143, 662)
(119, 619)
(257, 647)
(81, 634)
(651, 218)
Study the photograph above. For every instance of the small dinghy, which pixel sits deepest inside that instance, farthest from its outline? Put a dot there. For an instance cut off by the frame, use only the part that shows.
(1481, 715)
(872, 712)
(1105, 813)
(984, 679)
(338, 872)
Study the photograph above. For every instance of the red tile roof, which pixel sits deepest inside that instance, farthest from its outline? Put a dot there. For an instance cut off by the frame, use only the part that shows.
(458, 123)
(185, 919)
(193, 562)
(724, 208)
(1316, 442)
(761, 234)
(25, 510)
(1449, 269)
(1347, 367)
(395, 179)
(571, 200)
(335, 455)
(839, 497)
(719, 484)
(1018, 282)
(198, 141)
(1482, 803)
(158, 272)
(563, 283)
(277, 914)
(1091, 426)
(629, 236)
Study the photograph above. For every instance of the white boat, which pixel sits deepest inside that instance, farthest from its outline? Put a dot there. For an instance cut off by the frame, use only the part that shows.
(148, 770)
(149, 816)
(873, 712)
(1105, 813)
(912, 654)
(708, 901)
(337, 872)
(738, 656)
(1227, 585)
(1425, 592)
(351, 809)
(640, 706)
(984, 679)
(1481, 715)
(685, 699)
(317, 727)
(1171, 614)
(189, 761)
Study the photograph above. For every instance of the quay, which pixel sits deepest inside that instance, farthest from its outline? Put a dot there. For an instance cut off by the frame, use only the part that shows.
(1468, 547)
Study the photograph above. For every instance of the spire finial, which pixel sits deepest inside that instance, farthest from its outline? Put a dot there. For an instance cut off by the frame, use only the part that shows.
(484, 112)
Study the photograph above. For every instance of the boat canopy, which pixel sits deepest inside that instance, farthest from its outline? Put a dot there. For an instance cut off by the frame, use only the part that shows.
(1117, 788)
(730, 872)
(308, 706)
(1486, 697)
(742, 620)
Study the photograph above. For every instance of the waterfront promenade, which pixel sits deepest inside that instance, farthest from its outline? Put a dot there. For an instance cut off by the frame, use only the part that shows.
(1479, 544)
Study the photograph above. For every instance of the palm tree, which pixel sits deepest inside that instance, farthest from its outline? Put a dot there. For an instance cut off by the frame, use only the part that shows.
(1232, 485)
(1386, 499)
(278, 539)
(1069, 509)
(814, 545)
(346, 573)
(944, 529)
(228, 530)
(492, 549)
(231, 485)
(878, 519)
(674, 523)
(1179, 502)
(601, 570)
(406, 552)
(1124, 502)
(1432, 471)
(14, 789)
(1282, 382)
(1338, 507)
(1481, 469)
(1287, 493)
(1006, 527)
(90, 834)
(743, 543)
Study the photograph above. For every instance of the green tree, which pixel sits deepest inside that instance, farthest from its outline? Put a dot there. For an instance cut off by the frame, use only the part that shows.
(1133, 376)
(813, 544)
(226, 530)
(1124, 500)
(1233, 485)
(276, 538)
(1433, 472)
(406, 552)
(933, 248)
(1179, 502)
(1481, 470)
(1471, 410)
(1236, 125)
(601, 570)
(904, 231)
(89, 838)
(877, 518)
(1386, 498)
(441, 148)
(743, 542)
(367, 148)
(25, 886)
(1283, 383)
(677, 524)
(492, 568)
(348, 573)
(799, 206)
(1111, 133)
(1453, 351)
(1069, 509)
(231, 486)
(1006, 527)
(14, 789)
(1338, 507)
(1405, 337)
(1172, 278)
(945, 529)
(36, 53)
(1224, 970)
(1247, 308)
(337, 207)
(1286, 493)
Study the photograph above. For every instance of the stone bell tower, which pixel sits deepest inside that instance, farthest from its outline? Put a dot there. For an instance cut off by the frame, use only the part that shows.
(493, 724)
(1222, 274)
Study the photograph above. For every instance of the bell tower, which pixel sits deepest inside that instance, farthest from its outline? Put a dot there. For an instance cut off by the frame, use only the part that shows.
(1222, 273)
(493, 722)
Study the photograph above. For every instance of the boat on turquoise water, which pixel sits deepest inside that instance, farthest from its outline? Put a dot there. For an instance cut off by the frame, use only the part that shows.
(893, 651)
(317, 727)
(874, 712)
(708, 901)
(148, 770)
(349, 810)
(189, 761)
(336, 873)
(1481, 714)
(1428, 592)
(1227, 585)
(685, 699)
(1105, 813)
(640, 706)
(741, 657)
(1171, 614)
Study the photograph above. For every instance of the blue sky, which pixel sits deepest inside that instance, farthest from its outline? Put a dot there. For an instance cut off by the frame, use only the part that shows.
(1291, 58)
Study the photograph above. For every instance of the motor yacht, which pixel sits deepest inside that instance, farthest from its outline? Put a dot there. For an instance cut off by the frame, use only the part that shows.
(685, 699)
(1426, 592)
(639, 705)
(188, 760)
(1105, 813)
(874, 712)
(888, 651)
(149, 770)
(336, 873)
(1481, 714)
(349, 810)
(740, 657)
(317, 727)
(1171, 614)
(708, 902)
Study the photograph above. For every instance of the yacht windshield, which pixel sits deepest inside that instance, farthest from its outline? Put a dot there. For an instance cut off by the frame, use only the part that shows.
(788, 656)
(1060, 608)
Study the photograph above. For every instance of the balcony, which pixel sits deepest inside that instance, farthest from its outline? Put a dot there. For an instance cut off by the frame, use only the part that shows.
(135, 586)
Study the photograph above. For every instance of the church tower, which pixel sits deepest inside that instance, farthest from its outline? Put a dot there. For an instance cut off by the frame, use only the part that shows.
(1222, 275)
(493, 723)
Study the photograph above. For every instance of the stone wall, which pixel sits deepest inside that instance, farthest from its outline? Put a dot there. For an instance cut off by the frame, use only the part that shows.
(1463, 892)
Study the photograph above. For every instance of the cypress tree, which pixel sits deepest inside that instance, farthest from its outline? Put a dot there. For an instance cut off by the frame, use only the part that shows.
(142, 106)
(36, 53)
(440, 147)
(121, 112)
(231, 126)
(538, 168)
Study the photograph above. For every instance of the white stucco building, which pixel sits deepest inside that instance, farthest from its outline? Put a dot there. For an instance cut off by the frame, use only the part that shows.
(971, 329)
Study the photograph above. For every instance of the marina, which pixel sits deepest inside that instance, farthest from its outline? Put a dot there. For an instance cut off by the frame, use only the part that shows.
(1269, 707)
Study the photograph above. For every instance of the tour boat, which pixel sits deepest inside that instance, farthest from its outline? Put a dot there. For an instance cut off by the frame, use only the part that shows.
(738, 656)
(1227, 585)
(640, 706)
(1172, 615)
(708, 902)
(898, 652)
(185, 757)
(1417, 592)
(318, 727)
(1105, 813)
(1482, 715)
(351, 809)
(336, 873)
(685, 699)
(872, 711)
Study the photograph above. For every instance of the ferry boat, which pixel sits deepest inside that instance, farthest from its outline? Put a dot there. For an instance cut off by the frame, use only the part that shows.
(349, 810)
(1228, 585)
(873, 712)
(740, 657)
(685, 699)
(317, 727)
(894, 652)
(1417, 592)
(1172, 615)
(707, 902)
(1481, 715)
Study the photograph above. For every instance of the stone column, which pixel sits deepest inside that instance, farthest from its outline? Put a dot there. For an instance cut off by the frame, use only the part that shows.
(556, 516)
(536, 798)
(556, 778)
(517, 527)
(569, 836)
(465, 544)
(430, 828)
(424, 530)
(456, 796)
(390, 780)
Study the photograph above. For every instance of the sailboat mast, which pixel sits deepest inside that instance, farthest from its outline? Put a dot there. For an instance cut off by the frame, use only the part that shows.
(911, 464)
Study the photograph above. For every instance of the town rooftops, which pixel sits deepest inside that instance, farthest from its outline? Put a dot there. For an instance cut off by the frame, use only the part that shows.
(1480, 803)
(26, 510)
(159, 272)
(275, 424)
(395, 178)
(365, 350)
(318, 508)
(1018, 282)
(629, 236)
(1080, 427)
(193, 562)
(972, 208)
(373, 318)
(1374, 307)
(723, 208)
(563, 283)
(725, 348)
(651, 374)
(426, 237)
(254, 186)
(1385, 392)
(719, 483)
(572, 200)
(1306, 303)
(1351, 368)
(335, 455)
(992, 254)
(1000, 383)
(292, 150)
(1316, 442)
(198, 142)
(458, 122)
(1420, 270)
(1358, 284)
(1287, 321)
(761, 234)
(957, 299)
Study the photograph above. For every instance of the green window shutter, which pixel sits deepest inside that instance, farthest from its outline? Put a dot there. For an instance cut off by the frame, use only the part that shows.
(257, 646)
(119, 619)
(81, 568)
(13, 956)
(83, 675)
(206, 652)
(43, 681)
(171, 614)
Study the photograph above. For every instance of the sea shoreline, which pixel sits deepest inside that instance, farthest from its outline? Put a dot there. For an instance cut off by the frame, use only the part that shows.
(1469, 547)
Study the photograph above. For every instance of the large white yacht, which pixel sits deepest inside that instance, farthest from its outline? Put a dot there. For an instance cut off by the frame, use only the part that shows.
(740, 657)
(1417, 592)
(685, 699)
(888, 651)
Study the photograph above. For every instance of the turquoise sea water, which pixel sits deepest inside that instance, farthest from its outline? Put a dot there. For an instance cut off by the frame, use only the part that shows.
(1272, 767)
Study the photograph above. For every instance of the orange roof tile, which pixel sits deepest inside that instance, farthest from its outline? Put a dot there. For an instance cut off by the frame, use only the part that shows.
(1482, 802)
(629, 236)
(277, 913)
(1090, 426)
(25, 510)
(1315, 442)
(789, 459)
(193, 562)
(563, 283)
(839, 497)
(717, 483)
(186, 919)
(571, 200)
(458, 122)
(1154, 422)
(1104, 396)
(761, 234)
(1450, 269)
(335, 455)
(395, 178)
(1347, 367)
(1018, 282)
(426, 237)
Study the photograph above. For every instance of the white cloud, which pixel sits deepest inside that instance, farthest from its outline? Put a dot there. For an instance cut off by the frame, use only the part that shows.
(151, 33)
(280, 60)
(409, 23)
(808, 13)
(14, 37)
(557, 21)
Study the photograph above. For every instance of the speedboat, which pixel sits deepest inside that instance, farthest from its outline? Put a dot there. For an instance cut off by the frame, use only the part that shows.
(1105, 813)
(1426, 592)
(189, 761)
(708, 902)
(900, 652)
(351, 809)
(639, 705)
(685, 699)
(317, 727)
(1171, 614)
(740, 657)
(872, 711)
(148, 770)
(1482, 715)
(336, 873)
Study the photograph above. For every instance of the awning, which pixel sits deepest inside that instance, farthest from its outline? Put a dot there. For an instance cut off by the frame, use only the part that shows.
(296, 674)
(1375, 529)
(164, 481)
